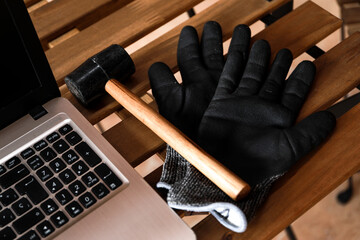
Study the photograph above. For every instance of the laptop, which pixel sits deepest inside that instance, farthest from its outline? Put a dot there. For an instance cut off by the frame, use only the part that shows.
(59, 178)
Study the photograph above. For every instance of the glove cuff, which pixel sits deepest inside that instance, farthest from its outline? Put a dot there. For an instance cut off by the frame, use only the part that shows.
(194, 192)
(174, 169)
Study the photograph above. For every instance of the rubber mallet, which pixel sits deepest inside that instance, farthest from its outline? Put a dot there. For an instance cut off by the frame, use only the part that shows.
(97, 75)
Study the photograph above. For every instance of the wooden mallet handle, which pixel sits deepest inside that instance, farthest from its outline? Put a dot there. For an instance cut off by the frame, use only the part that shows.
(226, 180)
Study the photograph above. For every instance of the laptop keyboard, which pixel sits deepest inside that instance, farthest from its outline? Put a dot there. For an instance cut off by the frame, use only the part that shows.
(58, 179)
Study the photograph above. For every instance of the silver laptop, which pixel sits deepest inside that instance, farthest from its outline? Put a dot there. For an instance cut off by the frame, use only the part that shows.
(59, 178)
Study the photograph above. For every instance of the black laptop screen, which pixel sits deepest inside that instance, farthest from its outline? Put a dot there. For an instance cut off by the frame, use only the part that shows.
(26, 80)
(15, 65)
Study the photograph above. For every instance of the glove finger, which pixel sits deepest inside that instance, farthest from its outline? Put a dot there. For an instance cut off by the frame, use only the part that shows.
(308, 134)
(230, 76)
(298, 86)
(235, 61)
(212, 47)
(255, 70)
(274, 83)
(240, 41)
(166, 90)
(189, 55)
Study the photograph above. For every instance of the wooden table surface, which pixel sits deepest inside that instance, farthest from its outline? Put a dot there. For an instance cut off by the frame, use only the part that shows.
(73, 30)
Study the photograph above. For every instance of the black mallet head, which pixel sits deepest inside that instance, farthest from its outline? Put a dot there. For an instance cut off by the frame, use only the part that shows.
(87, 82)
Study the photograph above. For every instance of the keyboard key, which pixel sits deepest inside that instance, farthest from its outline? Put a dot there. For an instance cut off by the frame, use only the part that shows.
(21, 206)
(2, 169)
(12, 162)
(6, 216)
(90, 179)
(44, 173)
(57, 165)
(31, 235)
(13, 176)
(59, 219)
(27, 153)
(45, 229)
(40, 145)
(32, 188)
(70, 157)
(64, 197)
(7, 234)
(77, 188)
(87, 200)
(49, 206)
(88, 154)
(105, 173)
(73, 138)
(47, 154)
(35, 162)
(54, 185)
(80, 168)
(8, 197)
(100, 191)
(65, 129)
(61, 146)
(53, 137)
(28, 220)
(67, 176)
(74, 209)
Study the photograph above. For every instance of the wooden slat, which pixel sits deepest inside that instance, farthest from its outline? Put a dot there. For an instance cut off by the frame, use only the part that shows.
(340, 2)
(351, 15)
(134, 141)
(59, 16)
(37, 5)
(352, 28)
(63, 38)
(153, 178)
(124, 26)
(228, 13)
(28, 3)
(300, 30)
(337, 74)
(317, 174)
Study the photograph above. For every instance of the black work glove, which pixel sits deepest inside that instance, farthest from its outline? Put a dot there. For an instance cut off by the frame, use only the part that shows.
(249, 124)
(200, 65)
(249, 127)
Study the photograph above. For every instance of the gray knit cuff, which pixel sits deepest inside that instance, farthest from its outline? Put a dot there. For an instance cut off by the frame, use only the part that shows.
(195, 192)
(174, 169)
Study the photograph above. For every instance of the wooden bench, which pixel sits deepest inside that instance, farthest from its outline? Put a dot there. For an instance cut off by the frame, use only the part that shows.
(71, 31)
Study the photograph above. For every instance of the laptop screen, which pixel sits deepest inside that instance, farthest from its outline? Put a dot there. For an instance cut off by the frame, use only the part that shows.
(16, 64)
(26, 80)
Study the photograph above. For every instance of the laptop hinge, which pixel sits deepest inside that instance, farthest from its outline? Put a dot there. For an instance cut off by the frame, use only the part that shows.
(37, 112)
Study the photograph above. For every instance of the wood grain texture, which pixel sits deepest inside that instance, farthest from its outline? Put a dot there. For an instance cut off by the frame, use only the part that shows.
(228, 13)
(134, 141)
(337, 73)
(227, 181)
(300, 30)
(59, 16)
(315, 175)
(123, 27)
(28, 3)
